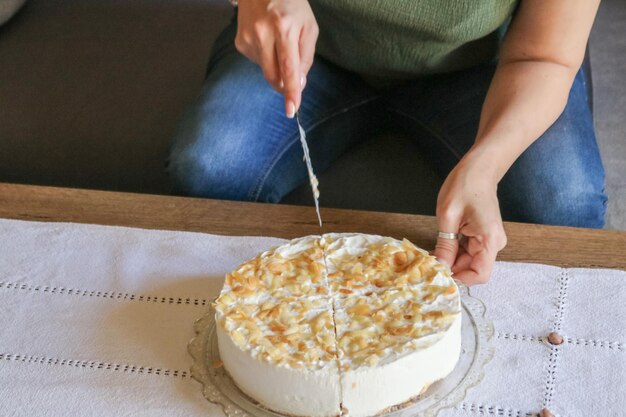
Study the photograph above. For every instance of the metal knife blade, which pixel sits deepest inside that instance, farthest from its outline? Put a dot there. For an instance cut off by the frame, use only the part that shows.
(309, 167)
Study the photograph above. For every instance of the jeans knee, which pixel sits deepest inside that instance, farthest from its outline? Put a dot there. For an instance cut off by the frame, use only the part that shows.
(581, 208)
(197, 173)
(185, 171)
(574, 204)
(215, 168)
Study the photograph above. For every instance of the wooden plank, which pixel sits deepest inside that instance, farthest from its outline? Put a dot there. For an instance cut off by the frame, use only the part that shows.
(563, 246)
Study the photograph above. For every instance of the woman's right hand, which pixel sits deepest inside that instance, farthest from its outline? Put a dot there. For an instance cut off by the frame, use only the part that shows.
(280, 36)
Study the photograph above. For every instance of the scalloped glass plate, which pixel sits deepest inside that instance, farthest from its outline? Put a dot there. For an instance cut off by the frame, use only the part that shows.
(476, 351)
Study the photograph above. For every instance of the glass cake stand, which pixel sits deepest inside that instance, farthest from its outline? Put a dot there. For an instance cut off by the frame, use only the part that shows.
(476, 351)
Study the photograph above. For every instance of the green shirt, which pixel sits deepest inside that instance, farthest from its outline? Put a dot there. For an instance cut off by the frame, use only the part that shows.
(405, 38)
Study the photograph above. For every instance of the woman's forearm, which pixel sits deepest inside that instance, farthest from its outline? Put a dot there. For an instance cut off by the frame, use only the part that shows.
(542, 52)
(524, 99)
(543, 49)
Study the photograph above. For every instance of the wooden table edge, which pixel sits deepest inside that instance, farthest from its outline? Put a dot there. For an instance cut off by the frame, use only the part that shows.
(552, 245)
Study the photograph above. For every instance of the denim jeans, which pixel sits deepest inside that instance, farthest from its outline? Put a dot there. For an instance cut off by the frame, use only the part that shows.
(236, 143)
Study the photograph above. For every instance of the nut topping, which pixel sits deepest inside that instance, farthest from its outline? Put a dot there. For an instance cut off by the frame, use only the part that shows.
(376, 300)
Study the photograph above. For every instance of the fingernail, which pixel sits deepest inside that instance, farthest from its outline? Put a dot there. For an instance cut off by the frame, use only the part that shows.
(281, 85)
(291, 110)
(302, 80)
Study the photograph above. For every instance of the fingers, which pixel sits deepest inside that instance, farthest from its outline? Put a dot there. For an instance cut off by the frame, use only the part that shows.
(308, 38)
(258, 45)
(468, 204)
(446, 249)
(479, 269)
(280, 36)
(287, 48)
(478, 254)
(269, 65)
(463, 259)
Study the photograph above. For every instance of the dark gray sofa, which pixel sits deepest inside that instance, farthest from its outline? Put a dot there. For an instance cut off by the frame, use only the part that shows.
(91, 90)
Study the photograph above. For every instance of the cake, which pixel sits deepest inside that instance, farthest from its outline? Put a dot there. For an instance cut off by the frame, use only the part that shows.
(338, 324)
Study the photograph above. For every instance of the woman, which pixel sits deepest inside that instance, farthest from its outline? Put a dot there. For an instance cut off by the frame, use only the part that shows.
(427, 66)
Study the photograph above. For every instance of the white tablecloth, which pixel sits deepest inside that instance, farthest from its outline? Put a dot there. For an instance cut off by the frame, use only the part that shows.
(95, 321)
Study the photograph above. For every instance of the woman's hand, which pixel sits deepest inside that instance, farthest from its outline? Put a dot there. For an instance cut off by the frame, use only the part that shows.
(542, 53)
(280, 36)
(468, 204)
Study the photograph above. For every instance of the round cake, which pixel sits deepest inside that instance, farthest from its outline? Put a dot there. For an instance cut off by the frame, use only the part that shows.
(338, 324)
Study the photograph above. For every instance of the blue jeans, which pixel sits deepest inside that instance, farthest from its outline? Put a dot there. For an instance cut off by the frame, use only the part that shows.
(236, 143)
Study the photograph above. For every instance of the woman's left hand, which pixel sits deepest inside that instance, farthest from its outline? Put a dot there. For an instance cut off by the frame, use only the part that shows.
(468, 204)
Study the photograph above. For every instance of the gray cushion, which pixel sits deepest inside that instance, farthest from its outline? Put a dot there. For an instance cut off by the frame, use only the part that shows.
(8, 8)
(92, 90)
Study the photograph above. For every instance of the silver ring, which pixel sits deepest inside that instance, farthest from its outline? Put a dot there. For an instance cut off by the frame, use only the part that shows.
(448, 235)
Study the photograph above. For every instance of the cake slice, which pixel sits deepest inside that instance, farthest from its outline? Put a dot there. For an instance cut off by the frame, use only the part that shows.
(276, 333)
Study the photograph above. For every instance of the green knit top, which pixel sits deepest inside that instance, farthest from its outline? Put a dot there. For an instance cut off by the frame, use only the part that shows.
(404, 38)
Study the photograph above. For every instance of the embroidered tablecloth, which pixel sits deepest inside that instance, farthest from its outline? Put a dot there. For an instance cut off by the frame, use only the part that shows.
(95, 320)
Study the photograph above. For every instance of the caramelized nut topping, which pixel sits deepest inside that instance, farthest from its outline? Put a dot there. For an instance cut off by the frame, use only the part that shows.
(324, 305)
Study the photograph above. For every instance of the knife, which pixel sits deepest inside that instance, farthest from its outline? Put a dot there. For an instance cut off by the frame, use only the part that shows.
(312, 178)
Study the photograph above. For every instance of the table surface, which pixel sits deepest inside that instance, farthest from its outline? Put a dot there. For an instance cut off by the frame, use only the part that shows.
(562, 246)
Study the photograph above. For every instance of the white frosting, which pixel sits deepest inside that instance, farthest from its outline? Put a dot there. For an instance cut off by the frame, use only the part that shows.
(296, 246)
(427, 311)
(300, 392)
(368, 391)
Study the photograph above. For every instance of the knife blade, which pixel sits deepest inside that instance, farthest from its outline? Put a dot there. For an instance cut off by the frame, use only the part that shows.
(307, 159)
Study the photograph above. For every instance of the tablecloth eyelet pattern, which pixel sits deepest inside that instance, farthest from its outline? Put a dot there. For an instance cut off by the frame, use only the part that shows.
(98, 318)
(551, 368)
(104, 294)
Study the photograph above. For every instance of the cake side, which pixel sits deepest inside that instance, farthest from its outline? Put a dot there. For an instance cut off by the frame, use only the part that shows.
(368, 391)
(346, 324)
(292, 391)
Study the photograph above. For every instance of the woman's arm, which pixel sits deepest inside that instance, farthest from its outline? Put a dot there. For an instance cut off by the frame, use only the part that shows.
(541, 54)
